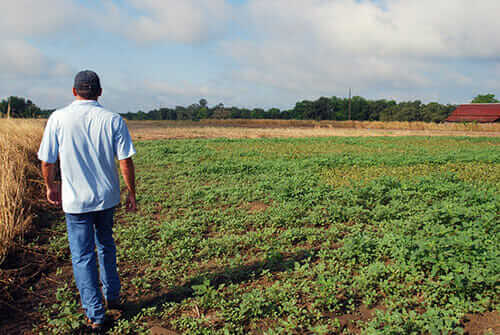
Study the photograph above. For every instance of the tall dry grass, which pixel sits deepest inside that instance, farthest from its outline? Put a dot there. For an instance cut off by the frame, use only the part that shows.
(248, 128)
(270, 123)
(389, 125)
(19, 178)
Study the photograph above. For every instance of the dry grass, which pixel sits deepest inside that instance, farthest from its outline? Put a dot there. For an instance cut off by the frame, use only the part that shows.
(394, 125)
(19, 176)
(242, 128)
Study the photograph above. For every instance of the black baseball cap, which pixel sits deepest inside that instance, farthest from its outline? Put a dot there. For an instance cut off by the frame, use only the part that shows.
(87, 81)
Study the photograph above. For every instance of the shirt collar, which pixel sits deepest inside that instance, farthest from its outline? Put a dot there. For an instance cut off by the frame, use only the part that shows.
(86, 102)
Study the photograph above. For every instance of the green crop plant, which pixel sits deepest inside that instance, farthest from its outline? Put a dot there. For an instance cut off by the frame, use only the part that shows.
(310, 236)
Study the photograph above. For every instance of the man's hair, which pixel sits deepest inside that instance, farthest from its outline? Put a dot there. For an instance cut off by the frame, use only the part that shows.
(86, 94)
(87, 84)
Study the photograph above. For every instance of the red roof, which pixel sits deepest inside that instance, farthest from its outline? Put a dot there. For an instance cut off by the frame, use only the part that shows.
(475, 112)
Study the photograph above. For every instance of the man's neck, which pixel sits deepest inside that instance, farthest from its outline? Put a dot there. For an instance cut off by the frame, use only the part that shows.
(80, 98)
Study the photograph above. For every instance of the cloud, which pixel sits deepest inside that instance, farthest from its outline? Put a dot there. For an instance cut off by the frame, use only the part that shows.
(456, 28)
(187, 21)
(20, 59)
(27, 72)
(311, 48)
(33, 18)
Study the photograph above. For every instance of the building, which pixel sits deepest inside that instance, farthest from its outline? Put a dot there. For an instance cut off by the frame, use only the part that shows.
(475, 113)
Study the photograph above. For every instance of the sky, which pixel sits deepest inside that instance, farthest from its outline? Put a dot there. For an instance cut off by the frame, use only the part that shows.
(249, 53)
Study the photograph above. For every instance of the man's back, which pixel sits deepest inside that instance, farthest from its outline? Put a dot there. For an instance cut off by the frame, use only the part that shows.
(87, 138)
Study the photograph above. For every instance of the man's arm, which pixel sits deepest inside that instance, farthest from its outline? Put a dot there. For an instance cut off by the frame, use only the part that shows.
(128, 173)
(53, 188)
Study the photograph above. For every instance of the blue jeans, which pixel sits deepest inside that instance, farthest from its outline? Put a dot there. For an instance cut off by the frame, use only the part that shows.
(86, 232)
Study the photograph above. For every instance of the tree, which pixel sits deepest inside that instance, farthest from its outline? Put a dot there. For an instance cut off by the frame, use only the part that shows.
(183, 113)
(274, 113)
(322, 109)
(304, 110)
(220, 112)
(359, 108)
(340, 107)
(485, 99)
(258, 113)
(20, 108)
(376, 108)
(435, 112)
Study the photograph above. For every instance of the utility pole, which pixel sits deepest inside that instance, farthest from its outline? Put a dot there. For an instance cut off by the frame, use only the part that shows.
(349, 104)
(8, 109)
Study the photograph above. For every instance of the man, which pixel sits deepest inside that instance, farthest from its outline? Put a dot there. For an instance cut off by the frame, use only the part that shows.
(87, 138)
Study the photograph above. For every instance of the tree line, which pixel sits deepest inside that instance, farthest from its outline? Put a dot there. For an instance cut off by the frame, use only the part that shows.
(22, 108)
(333, 108)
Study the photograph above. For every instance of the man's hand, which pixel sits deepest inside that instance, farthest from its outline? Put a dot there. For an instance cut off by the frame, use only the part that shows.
(128, 172)
(53, 188)
(130, 203)
(54, 195)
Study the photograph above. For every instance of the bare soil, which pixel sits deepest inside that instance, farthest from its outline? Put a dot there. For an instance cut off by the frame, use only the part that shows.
(28, 278)
(479, 324)
(363, 313)
(256, 206)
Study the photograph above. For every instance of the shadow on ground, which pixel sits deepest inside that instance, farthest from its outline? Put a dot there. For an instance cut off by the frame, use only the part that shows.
(275, 262)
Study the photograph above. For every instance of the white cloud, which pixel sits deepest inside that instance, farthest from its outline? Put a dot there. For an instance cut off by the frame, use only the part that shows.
(317, 47)
(20, 59)
(27, 72)
(186, 21)
(400, 27)
(32, 18)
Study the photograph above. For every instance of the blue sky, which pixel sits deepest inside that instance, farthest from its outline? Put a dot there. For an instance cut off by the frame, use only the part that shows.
(249, 53)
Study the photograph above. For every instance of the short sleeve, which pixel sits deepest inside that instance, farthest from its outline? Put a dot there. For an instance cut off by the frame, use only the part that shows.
(124, 148)
(49, 148)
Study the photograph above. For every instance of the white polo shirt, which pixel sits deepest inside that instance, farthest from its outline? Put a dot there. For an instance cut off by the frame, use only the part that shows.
(87, 138)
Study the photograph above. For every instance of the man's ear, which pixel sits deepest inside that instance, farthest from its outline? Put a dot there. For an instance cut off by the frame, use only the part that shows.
(100, 92)
(74, 92)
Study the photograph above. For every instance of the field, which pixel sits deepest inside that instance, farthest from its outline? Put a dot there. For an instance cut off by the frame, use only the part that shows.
(375, 235)
(242, 128)
(372, 235)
